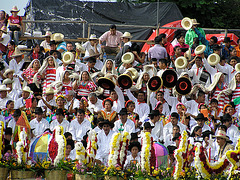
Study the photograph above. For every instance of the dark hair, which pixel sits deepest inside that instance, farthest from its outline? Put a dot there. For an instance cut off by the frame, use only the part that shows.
(108, 100)
(135, 47)
(238, 41)
(161, 92)
(234, 57)
(174, 114)
(223, 127)
(67, 134)
(222, 58)
(214, 38)
(8, 102)
(199, 57)
(141, 92)
(162, 35)
(33, 98)
(157, 40)
(214, 101)
(12, 43)
(196, 40)
(73, 51)
(129, 103)
(71, 143)
(201, 93)
(179, 36)
(80, 111)
(175, 48)
(35, 45)
(7, 147)
(113, 26)
(194, 130)
(8, 131)
(177, 126)
(59, 111)
(52, 51)
(153, 59)
(164, 61)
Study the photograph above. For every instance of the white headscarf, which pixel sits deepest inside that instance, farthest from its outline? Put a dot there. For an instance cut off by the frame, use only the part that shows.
(215, 81)
(104, 69)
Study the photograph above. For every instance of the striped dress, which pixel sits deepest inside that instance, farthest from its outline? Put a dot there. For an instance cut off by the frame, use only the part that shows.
(50, 76)
(66, 88)
(85, 88)
(224, 99)
(236, 92)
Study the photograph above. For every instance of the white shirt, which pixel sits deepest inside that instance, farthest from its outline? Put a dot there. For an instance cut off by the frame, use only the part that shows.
(168, 140)
(95, 107)
(99, 64)
(12, 124)
(38, 127)
(233, 134)
(119, 104)
(169, 127)
(87, 46)
(157, 131)
(16, 67)
(64, 124)
(59, 72)
(20, 103)
(80, 66)
(75, 104)
(204, 128)
(14, 94)
(129, 126)
(3, 102)
(41, 104)
(79, 130)
(130, 159)
(154, 101)
(45, 45)
(172, 101)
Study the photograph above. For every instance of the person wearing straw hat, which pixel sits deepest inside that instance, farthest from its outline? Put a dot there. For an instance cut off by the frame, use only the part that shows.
(190, 34)
(222, 141)
(12, 93)
(4, 96)
(15, 24)
(46, 43)
(92, 44)
(21, 102)
(59, 39)
(126, 37)
(17, 62)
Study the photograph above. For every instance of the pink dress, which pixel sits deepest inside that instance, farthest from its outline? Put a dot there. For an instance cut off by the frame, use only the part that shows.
(29, 73)
(66, 88)
(50, 76)
(224, 99)
(85, 88)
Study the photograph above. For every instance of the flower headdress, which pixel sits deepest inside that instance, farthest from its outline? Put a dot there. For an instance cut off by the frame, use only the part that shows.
(129, 101)
(109, 99)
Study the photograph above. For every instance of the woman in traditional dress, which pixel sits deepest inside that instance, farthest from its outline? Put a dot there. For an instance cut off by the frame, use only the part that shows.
(8, 112)
(66, 83)
(130, 106)
(108, 113)
(109, 67)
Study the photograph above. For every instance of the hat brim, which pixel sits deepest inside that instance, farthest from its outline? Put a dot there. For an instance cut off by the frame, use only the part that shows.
(106, 122)
(205, 119)
(125, 81)
(155, 83)
(169, 78)
(183, 86)
(126, 37)
(12, 10)
(87, 57)
(17, 55)
(224, 137)
(106, 83)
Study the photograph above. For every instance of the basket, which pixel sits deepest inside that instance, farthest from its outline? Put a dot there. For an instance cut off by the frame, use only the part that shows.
(56, 175)
(15, 174)
(3, 173)
(113, 178)
(83, 177)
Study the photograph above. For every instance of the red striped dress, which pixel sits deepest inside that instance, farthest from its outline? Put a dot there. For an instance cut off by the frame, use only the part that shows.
(85, 88)
(50, 76)
(224, 99)
(66, 88)
(236, 92)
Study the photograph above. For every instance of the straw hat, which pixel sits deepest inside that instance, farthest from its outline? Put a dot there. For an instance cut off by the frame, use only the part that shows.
(181, 62)
(186, 23)
(93, 37)
(91, 54)
(126, 35)
(14, 9)
(58, 37)
(17, 52)
(48, 33)
(237, 67)
(222, 134)
(27, 89)
(8, 71)
(133, 72)
(79, 47)
(4, 88)
(213, 59)
(128, 58)
(188, 54)
(194, 21)
(200, 49)
(7, 81)
(4, 29)
(68, 57)
(49, 90)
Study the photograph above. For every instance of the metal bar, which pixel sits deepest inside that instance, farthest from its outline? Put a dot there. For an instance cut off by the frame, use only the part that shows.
(42, 38)
(226, 31)
(89, 30)
(123, 25)
(83, 33)
(50, 21)
(157, 15)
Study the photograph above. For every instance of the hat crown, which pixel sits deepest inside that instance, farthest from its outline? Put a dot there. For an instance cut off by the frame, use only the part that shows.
(7, 81)
(93, 36)
(49, 90)
(14, 8)
(128, 58)
(48, 33)
(221, 133)
(58, 37)
(127, 35)
(17, 52)
(68, 57)
(27, 89)
(3, 87)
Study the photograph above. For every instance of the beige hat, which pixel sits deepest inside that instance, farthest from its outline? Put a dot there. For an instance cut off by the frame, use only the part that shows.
(186, 23)
(221, 134)
(79, 47)
(92, 37)
(181, 62)
(7, 81)
(4, 88)
(92, 54)
(8, 71)
(128, 58)
(199, 49)
(188, 54)
(237, 67)
(4, 29)
(127, 35)
(68, 57)
(58, 37)
(27, 89)
(213, 59)
(194, 21)
(14, 9)
(49, 90)
(17, 52)
(133, 72)
(48, 33)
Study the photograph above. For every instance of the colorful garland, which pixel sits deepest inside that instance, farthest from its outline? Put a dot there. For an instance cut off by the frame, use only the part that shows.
(113, 159)
(1, 138)
(81, 154)
(146, 151)
(123, 152)
(181, 155)
(20, 146)
(92, 145)
(204, 167)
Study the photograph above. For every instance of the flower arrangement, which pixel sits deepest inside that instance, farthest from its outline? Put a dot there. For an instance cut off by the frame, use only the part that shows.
(21, 148)
(123, 151)
(1, 138)
(92, 145)
(81, 154)
(146, 151)
(114, 150)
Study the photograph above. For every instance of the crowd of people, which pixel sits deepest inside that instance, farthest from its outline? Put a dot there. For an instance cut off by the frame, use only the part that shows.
(57, 83)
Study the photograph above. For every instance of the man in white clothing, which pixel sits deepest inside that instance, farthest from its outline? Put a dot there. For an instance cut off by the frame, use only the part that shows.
(201, 122)
(4, 98)
(118, 99)
(104, 138)
(38, 124)
(124, 123)
(94, 104)
(79, 126)
(13, 121)
(169, 126)
(12, 93)
(17, 63)
(159, 96)
(21, 102)
(172, 101)
(168, 141)
(60, 121)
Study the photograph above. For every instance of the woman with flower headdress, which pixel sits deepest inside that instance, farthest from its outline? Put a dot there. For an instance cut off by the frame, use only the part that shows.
(130, 106)
(8, 112)
(66, 83)
(164, 119)
(30, 111)
(109, 67)
(108, 113)
(181, 110)
(84, 85)
(47, 72)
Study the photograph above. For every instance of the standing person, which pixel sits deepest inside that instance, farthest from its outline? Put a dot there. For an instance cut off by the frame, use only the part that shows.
(15, 24)
(46, 43)
(167, 45)
(112, 39)
(157, 51)
(181, 43)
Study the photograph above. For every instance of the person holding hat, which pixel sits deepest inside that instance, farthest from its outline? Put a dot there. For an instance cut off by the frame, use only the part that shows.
(226, 47)
(59, 39)
(38, 124)
(14, 119)
(223, 145)
(17, 62)
(124, 124)
(134, 158)
(157, 131)
(104, 138)
(46, 43)
(15, 24)
(79, 126)
(21, 102)
(191, 34)
(112, 39)
(12, 93)
(60, 121)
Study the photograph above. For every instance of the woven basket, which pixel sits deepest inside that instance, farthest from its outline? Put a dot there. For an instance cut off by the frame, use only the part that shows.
(15, 174)
(113, 178)
(83, 177)
(3, 173)
(56, 175)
